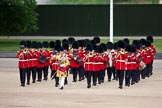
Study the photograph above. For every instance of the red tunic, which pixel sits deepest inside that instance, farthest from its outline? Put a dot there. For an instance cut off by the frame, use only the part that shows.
(120, 59)
(89, 63)
(132, 62)
(23, 59)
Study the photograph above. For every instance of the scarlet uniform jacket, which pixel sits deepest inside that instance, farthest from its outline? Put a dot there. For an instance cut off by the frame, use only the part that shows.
(132, 62)
(23, 59)
(120, 59)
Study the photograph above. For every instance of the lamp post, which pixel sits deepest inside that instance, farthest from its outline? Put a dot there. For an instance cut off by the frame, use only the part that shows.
(111, 20)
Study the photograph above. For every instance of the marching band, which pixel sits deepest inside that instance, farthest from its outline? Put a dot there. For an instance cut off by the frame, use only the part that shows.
(86, 59)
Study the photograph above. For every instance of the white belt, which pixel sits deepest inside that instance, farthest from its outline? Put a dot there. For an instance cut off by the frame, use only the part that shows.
(89, 62)
(23, 60)
(148, 56)
(54, 63)
(33, 59)
(98, 63)
(131, 62)
(120, 60)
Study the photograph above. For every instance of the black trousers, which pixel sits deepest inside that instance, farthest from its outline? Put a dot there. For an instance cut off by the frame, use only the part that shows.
(134, 76)
(128, 76)
(81, 72)
(95, 73)
(143, 73)
(121, 77)
(114, 72)
(51, 71)
(99, 76)
(39, 73)
(109, 72)
(45, 72)
(102, 75)
(89, 76)
(28, 74)
(74, 72)
(54, 76)
(22, 72)
(34, 70)
(66, 80)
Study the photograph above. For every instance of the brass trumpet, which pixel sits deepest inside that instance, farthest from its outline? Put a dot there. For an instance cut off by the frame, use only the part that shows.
(91, 53)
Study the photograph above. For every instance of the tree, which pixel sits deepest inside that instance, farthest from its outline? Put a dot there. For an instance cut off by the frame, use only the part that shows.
(17, 17)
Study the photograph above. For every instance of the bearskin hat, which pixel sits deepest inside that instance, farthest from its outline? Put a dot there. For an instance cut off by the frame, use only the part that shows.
(45, 44)
(115, 46)
(143, 42)
(65, 41)
(84, 43)
(34, 44)
(58, 42)
(93, 42)
(57, 47)
(110, 45)
(80, 42)
(126, 40)
(95, 48)
(22, 44)
(148, 43)
(65, 46)
(139, 44)
(150, 38)
(128, 48)
(121, 44)
(100, 49)
(52, 44)
(135, 42)
(104, 46)
(133, 49)
(71, 40)
(75, 45)
(39, 44)
(96, 39)
(89, 47)
(28, 44)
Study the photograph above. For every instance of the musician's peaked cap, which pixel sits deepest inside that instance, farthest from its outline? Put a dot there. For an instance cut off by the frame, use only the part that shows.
(89, 47)
(121, 44)
(150, 38)
(96, 39)
(71, 40)
(34, 44)
(126, 40)
(100, 49)
(75, 45)
(110, 45)
(104, 46)
(65, 46)
(45, 44)
(52, 44)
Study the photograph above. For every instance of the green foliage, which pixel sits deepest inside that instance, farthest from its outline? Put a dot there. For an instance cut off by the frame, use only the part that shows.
(17, 16)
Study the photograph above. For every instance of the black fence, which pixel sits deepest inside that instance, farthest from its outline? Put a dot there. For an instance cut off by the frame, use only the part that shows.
(87, 20)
